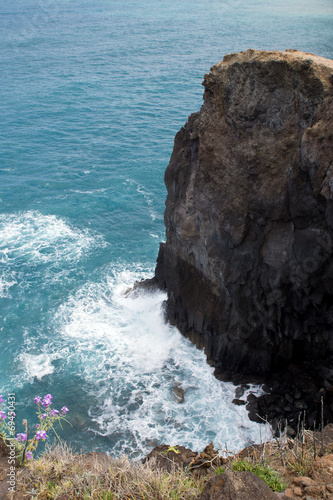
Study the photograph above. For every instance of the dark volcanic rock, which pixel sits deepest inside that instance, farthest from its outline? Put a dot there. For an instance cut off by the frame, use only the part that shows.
(247, 262)
(238, 402)
(148, 285)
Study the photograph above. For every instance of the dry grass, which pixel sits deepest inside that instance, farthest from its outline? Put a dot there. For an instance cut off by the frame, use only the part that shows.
(289, 457)
(61, 474)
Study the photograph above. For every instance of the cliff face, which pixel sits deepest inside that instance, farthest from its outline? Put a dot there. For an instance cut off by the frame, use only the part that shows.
(247, 262)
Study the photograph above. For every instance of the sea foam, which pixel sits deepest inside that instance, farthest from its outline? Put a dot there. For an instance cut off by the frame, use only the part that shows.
(34, 237)
(132, 363)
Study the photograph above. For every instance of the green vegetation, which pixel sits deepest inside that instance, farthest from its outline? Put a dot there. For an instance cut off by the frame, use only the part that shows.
(267, 474)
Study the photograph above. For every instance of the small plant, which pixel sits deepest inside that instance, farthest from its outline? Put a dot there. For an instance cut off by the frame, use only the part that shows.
(219, 470)
(24, 444)
(267, 474)
(171, 448)
(300, 464)
(50, 487)
(108, 496)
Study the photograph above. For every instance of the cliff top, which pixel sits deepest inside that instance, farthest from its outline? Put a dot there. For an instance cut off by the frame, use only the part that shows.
(322, 67)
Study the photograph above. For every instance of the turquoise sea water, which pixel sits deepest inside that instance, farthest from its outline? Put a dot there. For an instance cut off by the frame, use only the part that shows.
(91, 96)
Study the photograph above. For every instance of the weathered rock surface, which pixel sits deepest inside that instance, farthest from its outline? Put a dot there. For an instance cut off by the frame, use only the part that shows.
(247, 262)
(167, 457)
(318, 485)
(233, 485)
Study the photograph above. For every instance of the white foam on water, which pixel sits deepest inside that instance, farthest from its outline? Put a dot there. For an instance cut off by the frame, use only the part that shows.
(136, 363)
(159, 237)
(41, 238)
(7, 280)
(93, 191)
(37, 365)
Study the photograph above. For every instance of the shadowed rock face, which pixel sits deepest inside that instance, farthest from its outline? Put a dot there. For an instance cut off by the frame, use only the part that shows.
(247, 262)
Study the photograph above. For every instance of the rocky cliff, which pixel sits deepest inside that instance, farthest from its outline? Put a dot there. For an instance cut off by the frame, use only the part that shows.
(247, 262)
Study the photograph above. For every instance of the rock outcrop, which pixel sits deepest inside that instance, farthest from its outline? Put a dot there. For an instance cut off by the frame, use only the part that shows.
(199, 464)
(237, 486)
(247, 262)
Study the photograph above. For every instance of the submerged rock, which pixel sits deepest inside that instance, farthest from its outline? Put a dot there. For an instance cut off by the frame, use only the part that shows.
(179, 392)
(247, 262)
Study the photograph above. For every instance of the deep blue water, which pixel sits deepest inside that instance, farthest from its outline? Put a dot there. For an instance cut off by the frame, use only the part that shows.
(92, 94)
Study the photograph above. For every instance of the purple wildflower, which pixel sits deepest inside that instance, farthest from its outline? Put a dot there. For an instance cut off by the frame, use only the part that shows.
(1, 399)
(12, 413)
(37, 425)
(21, 437)
(28, 455)
(64, 410)
(47, 400)
(37, 400)
(2, 415)
(41, 435)
(44, 415)
(54, 413)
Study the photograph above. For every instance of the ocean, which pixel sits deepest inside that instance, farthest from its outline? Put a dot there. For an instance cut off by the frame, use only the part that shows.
(92, 93)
